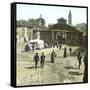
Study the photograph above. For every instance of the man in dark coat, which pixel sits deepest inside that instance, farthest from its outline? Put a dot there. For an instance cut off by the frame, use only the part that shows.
(53, 55)
(70, 50)
(85, 78)
(65, 52)
(36, 59)
(42, 60)
(79, 57)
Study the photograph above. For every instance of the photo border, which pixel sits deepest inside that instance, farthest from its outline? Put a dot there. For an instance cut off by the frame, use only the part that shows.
(13, 41)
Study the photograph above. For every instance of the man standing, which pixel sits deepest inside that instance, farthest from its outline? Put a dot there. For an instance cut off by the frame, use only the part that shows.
(65, 52)
(36, 59)
(70, 50)
(79, 57)
(53, 55)
(42, 60)
(85, 60)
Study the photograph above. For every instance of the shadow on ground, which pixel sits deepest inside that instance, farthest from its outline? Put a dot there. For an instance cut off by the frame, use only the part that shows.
(30, 67)
(70, 67)
(74, 73)
(47, 61)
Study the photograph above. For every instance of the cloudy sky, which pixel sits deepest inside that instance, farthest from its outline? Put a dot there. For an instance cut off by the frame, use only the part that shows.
(50, 13)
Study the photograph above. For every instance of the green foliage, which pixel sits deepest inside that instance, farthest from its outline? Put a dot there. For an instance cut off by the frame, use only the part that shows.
(81, 27)
(31, 22)
(22, 23)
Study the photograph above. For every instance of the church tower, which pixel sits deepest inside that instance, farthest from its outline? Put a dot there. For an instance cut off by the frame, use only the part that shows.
(70, 18)
(40, 22)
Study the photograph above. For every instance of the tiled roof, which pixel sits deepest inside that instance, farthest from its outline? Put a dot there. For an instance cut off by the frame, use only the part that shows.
(64, 27)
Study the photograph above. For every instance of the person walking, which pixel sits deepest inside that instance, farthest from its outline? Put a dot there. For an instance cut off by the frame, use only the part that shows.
(53, 55)
(79, 57)
(85, 77)
(36, 59)
(70, 50)
(42, 60)
(65, 52)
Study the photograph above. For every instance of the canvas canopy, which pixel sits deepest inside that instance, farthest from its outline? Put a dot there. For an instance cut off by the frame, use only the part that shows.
(37, 43)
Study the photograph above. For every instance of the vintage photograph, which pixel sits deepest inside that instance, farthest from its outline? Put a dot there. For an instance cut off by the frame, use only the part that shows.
(51, 44)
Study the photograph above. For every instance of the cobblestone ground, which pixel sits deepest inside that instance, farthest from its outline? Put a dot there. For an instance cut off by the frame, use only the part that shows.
(64, 70)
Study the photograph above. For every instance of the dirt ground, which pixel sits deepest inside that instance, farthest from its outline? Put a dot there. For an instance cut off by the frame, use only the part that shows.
(64, 70)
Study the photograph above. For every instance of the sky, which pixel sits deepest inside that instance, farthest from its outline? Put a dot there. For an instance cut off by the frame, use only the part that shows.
(51, 13)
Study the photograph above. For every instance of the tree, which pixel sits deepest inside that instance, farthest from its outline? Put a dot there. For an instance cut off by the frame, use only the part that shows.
(31, 22)
(22, 23)
(81, 27)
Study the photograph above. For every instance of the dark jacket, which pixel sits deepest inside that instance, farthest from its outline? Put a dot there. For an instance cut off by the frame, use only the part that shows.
(42, 57)
(36, 58)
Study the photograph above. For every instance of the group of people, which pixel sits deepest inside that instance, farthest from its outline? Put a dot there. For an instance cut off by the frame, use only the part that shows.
(65, 51)
(41, 59)
(36, 59)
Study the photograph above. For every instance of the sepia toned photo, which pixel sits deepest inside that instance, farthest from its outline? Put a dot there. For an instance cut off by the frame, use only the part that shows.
(51, 44)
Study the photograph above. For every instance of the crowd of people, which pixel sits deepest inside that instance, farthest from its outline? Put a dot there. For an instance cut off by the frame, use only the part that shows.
(53, 56)
(41, 60)
(36, 58)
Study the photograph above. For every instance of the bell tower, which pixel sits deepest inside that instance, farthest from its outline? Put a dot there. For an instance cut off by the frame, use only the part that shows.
(70, 18)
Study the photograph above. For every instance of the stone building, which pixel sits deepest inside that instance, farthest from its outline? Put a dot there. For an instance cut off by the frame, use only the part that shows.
(59, 33)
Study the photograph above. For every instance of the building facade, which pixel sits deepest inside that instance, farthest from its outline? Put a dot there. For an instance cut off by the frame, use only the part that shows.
(50, 35)
(59, 33)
